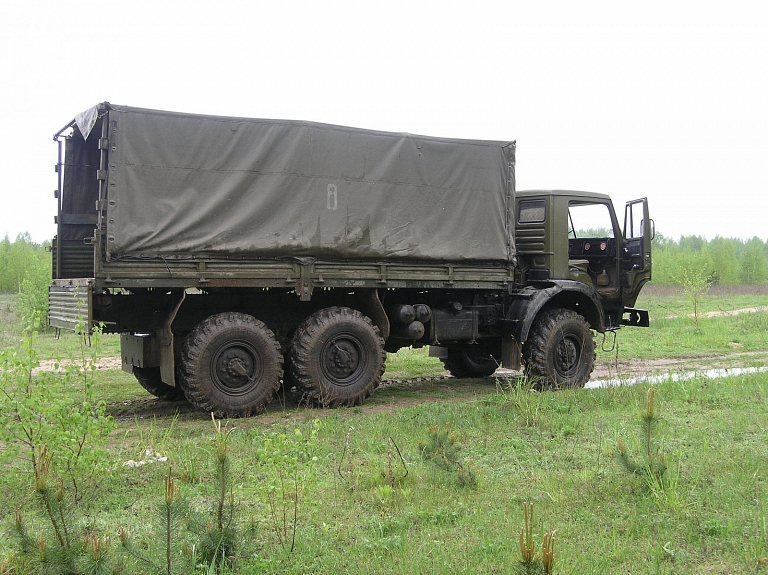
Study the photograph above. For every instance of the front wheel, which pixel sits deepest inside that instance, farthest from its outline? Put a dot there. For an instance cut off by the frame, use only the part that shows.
(337, 357)
(560, 349)
(231, 365)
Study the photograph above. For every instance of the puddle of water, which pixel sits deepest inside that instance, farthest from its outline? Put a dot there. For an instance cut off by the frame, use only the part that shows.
(685, 376)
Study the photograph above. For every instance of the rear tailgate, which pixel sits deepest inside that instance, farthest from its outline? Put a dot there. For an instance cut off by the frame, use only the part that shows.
(70, 306)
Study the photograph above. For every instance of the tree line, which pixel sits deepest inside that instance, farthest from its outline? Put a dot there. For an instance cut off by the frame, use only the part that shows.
(25, 266)
(720, 261)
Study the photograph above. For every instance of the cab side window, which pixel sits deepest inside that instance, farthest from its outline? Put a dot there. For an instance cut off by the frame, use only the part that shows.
(532, 211)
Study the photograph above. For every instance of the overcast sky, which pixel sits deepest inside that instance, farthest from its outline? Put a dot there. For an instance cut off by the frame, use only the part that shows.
(667, 100)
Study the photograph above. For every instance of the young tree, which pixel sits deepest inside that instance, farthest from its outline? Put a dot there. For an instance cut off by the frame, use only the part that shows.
(694, 275)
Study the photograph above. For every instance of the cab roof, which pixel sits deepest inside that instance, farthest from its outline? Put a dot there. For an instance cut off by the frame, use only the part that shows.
(573, 193)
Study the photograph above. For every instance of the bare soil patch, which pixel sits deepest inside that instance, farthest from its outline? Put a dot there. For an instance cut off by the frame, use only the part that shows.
(722, 313)
(675, 365)
(399, 393)
(101, 364)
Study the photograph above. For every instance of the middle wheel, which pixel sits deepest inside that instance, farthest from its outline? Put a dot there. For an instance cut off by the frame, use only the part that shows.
(231, 365)
(337, 357)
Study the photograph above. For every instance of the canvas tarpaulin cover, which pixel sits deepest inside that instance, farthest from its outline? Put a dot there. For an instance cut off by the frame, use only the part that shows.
(182, 185)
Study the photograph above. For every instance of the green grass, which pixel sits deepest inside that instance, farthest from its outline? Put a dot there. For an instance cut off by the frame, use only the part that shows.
(707, 520)
(409, 363)
(50, 345)
(674, 333)
(556, 450)
(666, 300)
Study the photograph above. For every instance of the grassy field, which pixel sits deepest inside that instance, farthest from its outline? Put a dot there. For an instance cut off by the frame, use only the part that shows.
(431, 476)
(721, 327)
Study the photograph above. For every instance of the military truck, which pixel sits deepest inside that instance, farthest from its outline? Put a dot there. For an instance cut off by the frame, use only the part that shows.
(236, 255)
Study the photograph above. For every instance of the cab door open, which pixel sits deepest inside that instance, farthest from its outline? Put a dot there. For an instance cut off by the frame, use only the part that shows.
(636, 251)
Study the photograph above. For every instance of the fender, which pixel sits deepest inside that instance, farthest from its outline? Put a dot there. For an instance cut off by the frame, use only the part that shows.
(568, 294)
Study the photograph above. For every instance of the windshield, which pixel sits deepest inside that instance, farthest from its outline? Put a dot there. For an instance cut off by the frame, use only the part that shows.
(589, 221)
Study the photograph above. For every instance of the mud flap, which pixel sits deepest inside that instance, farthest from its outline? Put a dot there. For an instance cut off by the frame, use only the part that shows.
(511, 354)
(165, 338)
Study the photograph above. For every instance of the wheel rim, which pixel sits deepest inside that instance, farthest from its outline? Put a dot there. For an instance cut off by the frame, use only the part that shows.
(567, 355)
(343, 359)
(236, 367)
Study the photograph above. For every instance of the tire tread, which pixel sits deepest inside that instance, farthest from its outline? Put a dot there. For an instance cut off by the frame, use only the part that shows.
(543, 333)
(195, 385)
(301, 350)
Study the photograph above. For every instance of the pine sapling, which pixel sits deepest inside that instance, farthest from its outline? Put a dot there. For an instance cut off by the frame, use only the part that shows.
(170, 512)
(51, 503)
(26, 543)
(654, 464)
(548, 552)
(527, 549)
(127, 546)
(218, 542)
(443, 450)
(530, 562)
(172, 495)
(97, 557)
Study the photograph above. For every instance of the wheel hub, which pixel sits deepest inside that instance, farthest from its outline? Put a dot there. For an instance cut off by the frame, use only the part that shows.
(341, 359)
(234, 367)
(567, 354)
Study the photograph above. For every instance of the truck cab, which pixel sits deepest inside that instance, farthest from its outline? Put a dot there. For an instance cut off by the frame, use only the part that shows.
(573, 236)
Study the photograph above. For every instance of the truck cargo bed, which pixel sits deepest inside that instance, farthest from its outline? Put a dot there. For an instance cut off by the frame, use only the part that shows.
(189, 196)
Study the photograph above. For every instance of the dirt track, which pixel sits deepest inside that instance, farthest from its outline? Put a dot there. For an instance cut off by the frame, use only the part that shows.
(602, 369)
(442, 387)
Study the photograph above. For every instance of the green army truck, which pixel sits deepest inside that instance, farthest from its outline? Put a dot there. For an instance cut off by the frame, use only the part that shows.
(236, 255)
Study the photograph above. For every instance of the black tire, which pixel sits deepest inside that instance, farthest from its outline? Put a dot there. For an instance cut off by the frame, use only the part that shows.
(337, 357)
(149, 379)
(469, 363)
(231, 365)
(560, 349)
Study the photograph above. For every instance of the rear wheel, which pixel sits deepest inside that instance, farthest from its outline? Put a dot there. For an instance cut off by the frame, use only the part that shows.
(231, 365)
(149, 379)
(337, 357)
(560, 349)
(469, 363)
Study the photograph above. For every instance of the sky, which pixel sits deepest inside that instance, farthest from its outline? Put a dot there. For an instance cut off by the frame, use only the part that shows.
(659, 99)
